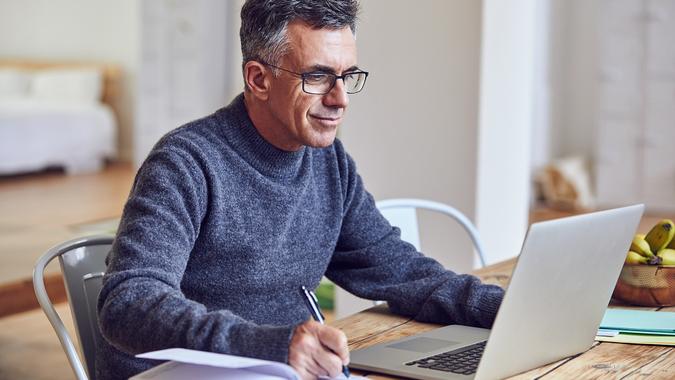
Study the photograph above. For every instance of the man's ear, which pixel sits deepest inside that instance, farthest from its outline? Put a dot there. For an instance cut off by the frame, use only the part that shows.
(257, 79)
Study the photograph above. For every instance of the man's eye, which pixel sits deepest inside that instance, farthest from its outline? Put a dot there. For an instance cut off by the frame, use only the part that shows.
(315, 78)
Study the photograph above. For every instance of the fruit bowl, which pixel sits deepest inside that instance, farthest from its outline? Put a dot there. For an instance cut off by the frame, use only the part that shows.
(646, 285)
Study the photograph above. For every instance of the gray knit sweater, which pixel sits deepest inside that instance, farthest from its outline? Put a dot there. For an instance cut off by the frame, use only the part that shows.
(220, 231)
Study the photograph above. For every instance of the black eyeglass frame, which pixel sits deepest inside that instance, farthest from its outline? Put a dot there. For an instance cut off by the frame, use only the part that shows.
(336, 77)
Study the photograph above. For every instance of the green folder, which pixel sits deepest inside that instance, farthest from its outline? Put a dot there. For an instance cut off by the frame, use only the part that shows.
(650, 339)
(639, 321)
(325, 294)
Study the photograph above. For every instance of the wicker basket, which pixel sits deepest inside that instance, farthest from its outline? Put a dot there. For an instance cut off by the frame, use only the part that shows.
(646, 285)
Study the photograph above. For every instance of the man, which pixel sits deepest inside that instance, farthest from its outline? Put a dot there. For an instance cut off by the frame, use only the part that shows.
(231, 214)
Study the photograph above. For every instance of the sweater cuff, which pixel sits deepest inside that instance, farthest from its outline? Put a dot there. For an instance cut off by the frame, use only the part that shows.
(488, 305)
(263, 342)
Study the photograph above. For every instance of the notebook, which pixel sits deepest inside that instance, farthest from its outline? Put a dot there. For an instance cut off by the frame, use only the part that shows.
(192, 364)
(639, 321)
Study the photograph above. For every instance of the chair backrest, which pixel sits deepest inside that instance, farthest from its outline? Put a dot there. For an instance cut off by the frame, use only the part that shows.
(83, 265)
(402, 213)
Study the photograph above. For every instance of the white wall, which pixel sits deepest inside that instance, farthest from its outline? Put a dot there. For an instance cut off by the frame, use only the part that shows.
(574, 62)
(544, 86)
(507, 110)
(413, 130)
(77, 30)
(235, 83)
(184, 73)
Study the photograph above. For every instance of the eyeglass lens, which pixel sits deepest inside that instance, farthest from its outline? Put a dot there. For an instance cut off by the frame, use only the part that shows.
(322, 83)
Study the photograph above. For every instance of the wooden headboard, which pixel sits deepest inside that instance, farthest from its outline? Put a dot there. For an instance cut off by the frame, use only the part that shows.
(112, 74)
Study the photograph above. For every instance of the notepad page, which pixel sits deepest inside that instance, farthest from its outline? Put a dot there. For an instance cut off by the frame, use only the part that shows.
(182, 371)
(222, 366)
(182, 355)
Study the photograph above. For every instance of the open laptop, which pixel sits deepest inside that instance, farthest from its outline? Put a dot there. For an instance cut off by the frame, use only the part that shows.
(557, 296)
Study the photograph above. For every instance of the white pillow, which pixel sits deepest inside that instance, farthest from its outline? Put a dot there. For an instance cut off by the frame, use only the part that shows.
(82, 85)
(14, 83)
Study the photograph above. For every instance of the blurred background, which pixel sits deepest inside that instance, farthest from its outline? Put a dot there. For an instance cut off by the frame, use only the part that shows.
(510, 111)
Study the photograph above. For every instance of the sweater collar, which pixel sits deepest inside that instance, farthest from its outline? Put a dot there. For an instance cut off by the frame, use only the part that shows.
(247, 141)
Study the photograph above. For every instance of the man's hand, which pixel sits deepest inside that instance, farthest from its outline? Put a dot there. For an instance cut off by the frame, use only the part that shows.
(318, 350)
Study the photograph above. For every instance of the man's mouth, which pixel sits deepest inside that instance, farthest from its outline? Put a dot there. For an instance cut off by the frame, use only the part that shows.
(328, 120)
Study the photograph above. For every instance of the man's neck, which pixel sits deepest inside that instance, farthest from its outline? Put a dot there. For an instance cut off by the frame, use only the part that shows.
(264, 122)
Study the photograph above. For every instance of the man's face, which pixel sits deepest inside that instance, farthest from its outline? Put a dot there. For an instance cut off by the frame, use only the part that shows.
(307, 119)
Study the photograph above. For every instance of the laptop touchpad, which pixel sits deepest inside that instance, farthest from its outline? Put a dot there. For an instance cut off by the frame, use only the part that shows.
(423, 344)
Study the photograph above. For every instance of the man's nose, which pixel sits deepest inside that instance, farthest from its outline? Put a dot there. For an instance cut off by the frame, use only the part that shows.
(337, 96)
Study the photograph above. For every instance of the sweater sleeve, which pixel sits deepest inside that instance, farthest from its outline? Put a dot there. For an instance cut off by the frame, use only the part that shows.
(141, 306)
(371, 261)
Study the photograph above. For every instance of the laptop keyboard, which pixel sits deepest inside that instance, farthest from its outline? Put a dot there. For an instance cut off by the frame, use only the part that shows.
(463, 361)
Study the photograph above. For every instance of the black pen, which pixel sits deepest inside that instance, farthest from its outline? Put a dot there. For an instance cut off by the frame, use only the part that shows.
(313, 306)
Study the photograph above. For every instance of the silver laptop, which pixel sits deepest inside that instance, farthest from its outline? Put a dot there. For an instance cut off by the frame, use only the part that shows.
(559, 290)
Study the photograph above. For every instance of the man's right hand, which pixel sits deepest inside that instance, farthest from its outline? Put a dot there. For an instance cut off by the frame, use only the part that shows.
(318, 350)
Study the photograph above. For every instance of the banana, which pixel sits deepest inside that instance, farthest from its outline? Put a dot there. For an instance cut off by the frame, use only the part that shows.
(660, 235)
(640, 245)
(635, 258)
(672, 244)
(667, 256)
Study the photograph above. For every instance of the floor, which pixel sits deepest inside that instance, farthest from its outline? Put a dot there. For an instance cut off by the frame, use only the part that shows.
(39, 211)
(29, 348)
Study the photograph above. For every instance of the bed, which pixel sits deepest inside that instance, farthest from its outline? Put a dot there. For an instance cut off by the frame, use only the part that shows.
(57, 115)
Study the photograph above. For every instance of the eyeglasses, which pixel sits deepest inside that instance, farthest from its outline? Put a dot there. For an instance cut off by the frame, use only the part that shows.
(320, 83)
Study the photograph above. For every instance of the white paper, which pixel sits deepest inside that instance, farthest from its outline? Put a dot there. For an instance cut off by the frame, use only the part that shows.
(603, 332)
(194, 364)
(181, 371)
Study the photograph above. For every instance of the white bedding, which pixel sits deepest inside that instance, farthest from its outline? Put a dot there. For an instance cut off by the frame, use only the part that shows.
(35, 134)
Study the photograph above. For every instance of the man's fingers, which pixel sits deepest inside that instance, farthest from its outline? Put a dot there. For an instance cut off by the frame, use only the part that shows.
(315, 368)
(308, 368)
(330, 363)
(304, 374)
(318, 350)
(336, 341)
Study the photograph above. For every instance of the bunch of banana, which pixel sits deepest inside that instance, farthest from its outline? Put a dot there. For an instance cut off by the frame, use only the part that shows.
(655, 248)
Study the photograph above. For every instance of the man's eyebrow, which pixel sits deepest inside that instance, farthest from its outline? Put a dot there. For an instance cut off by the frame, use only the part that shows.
(328, 69)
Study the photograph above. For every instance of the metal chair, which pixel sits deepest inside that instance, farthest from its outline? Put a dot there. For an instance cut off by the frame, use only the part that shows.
(83, 265)
(402, 213)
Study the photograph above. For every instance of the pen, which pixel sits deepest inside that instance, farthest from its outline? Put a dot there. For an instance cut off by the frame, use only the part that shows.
(313, 306)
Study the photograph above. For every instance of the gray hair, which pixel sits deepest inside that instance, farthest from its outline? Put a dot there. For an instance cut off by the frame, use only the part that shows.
(264, 24)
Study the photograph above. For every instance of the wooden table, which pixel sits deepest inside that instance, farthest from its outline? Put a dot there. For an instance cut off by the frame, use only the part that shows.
(602, 361)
